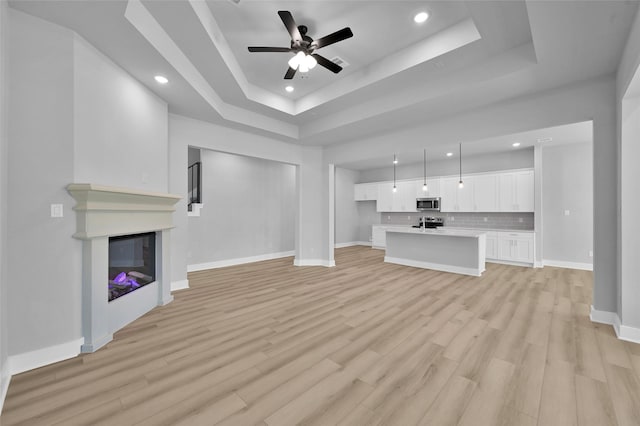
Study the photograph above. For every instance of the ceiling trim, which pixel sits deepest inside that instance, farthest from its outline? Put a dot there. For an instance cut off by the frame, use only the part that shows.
(142, 20)
(251, 91)
(447, 40)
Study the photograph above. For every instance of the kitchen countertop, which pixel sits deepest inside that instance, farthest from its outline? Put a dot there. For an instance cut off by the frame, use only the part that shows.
(449, 232)
(461, 228)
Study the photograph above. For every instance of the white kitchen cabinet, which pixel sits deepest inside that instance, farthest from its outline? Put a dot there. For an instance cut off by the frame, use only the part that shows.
(448, 194)
(385, 197)
(403, 200)
(492, 245)
(433, 188)
(485, 193)
(365, 191)
(516, 246)
(378, 237)
(516, 191)
(455, 199)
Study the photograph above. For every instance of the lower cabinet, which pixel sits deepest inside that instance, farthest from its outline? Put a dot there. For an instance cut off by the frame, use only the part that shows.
(379, 235)
(514, 247)
(492, 245)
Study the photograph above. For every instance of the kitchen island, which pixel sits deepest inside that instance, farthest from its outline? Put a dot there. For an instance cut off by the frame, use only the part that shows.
(449, 250)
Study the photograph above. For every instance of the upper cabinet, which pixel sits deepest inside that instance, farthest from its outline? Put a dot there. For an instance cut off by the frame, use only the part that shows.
(402, 200)
(365, 191)
(516, 191)
(433, 188)
(454, 198)
(486, 192)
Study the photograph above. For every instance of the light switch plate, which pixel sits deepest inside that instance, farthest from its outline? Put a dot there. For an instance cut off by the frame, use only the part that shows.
(56, 210)
(567, 212)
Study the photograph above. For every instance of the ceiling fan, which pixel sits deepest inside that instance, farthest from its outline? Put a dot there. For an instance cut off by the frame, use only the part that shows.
(304, 47)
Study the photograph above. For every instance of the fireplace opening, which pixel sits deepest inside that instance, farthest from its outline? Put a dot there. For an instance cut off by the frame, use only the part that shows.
(132, 263)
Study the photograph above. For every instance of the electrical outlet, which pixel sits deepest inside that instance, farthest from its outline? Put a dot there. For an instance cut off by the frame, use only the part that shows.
(486, 219)
(452, 219)
(408, 217)
(590, 253)
(520, 220)
(389, 217)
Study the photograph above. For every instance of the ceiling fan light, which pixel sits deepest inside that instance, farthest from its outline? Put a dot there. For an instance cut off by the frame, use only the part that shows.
(297, 60)
(303, 67)
(310, 62)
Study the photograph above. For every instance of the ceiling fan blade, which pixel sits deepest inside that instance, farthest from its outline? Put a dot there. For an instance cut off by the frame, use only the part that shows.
(268, 49)
(290, 73)
(339, 35)
(290, 24)
(331, 66)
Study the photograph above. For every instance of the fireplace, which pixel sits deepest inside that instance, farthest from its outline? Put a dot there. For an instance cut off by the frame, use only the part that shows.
(126, 241)
(132, 263)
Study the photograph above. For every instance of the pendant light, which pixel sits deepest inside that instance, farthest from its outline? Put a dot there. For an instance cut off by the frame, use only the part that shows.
(395, 161)
(460, 184)
(424, 186)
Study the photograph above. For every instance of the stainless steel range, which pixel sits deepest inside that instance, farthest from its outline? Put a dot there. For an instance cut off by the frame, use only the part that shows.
(430, 222)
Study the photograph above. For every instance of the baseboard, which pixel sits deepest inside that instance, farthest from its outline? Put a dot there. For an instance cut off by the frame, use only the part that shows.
(568, 265)
(624, 332)
(435, 266)
(314, 262)
(352, 243)
(179, 285)
(29, 360)
(5, 379)
(89, 347)
(602, 317)
(509, 262)
(239, 261)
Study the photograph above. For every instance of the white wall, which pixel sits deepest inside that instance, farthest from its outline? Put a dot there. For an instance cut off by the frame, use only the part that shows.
(4, 325)
(80, 116)
(248, 209)
(516, 159)
(120, 127)
(628, 121)
(347, 215)
(567, 185)
(44, 260)
(589, 100)
(185, 132)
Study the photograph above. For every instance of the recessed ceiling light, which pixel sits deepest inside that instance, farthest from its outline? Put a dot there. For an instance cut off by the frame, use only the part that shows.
(515, 144)
(421, 17)
(161, 79)
(449, 154)
(289, 89)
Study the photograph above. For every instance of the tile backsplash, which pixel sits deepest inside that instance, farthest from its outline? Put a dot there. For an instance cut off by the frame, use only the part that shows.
(522, 221)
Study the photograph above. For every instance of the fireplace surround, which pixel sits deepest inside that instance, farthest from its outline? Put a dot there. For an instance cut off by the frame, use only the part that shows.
(103, 212)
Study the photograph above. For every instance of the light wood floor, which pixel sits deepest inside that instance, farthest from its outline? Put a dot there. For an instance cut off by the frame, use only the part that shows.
(364, 343)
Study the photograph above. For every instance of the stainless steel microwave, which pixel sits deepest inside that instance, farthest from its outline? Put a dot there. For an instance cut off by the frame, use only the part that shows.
(428, 204)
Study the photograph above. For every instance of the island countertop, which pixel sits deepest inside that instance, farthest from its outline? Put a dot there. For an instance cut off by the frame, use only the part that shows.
(449, 232)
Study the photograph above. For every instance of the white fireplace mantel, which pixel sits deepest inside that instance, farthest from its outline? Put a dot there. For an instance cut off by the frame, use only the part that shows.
(103, 212)
(110, 211)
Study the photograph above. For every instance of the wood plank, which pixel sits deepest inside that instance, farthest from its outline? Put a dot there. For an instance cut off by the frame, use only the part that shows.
(558, 404)
(364, 343)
